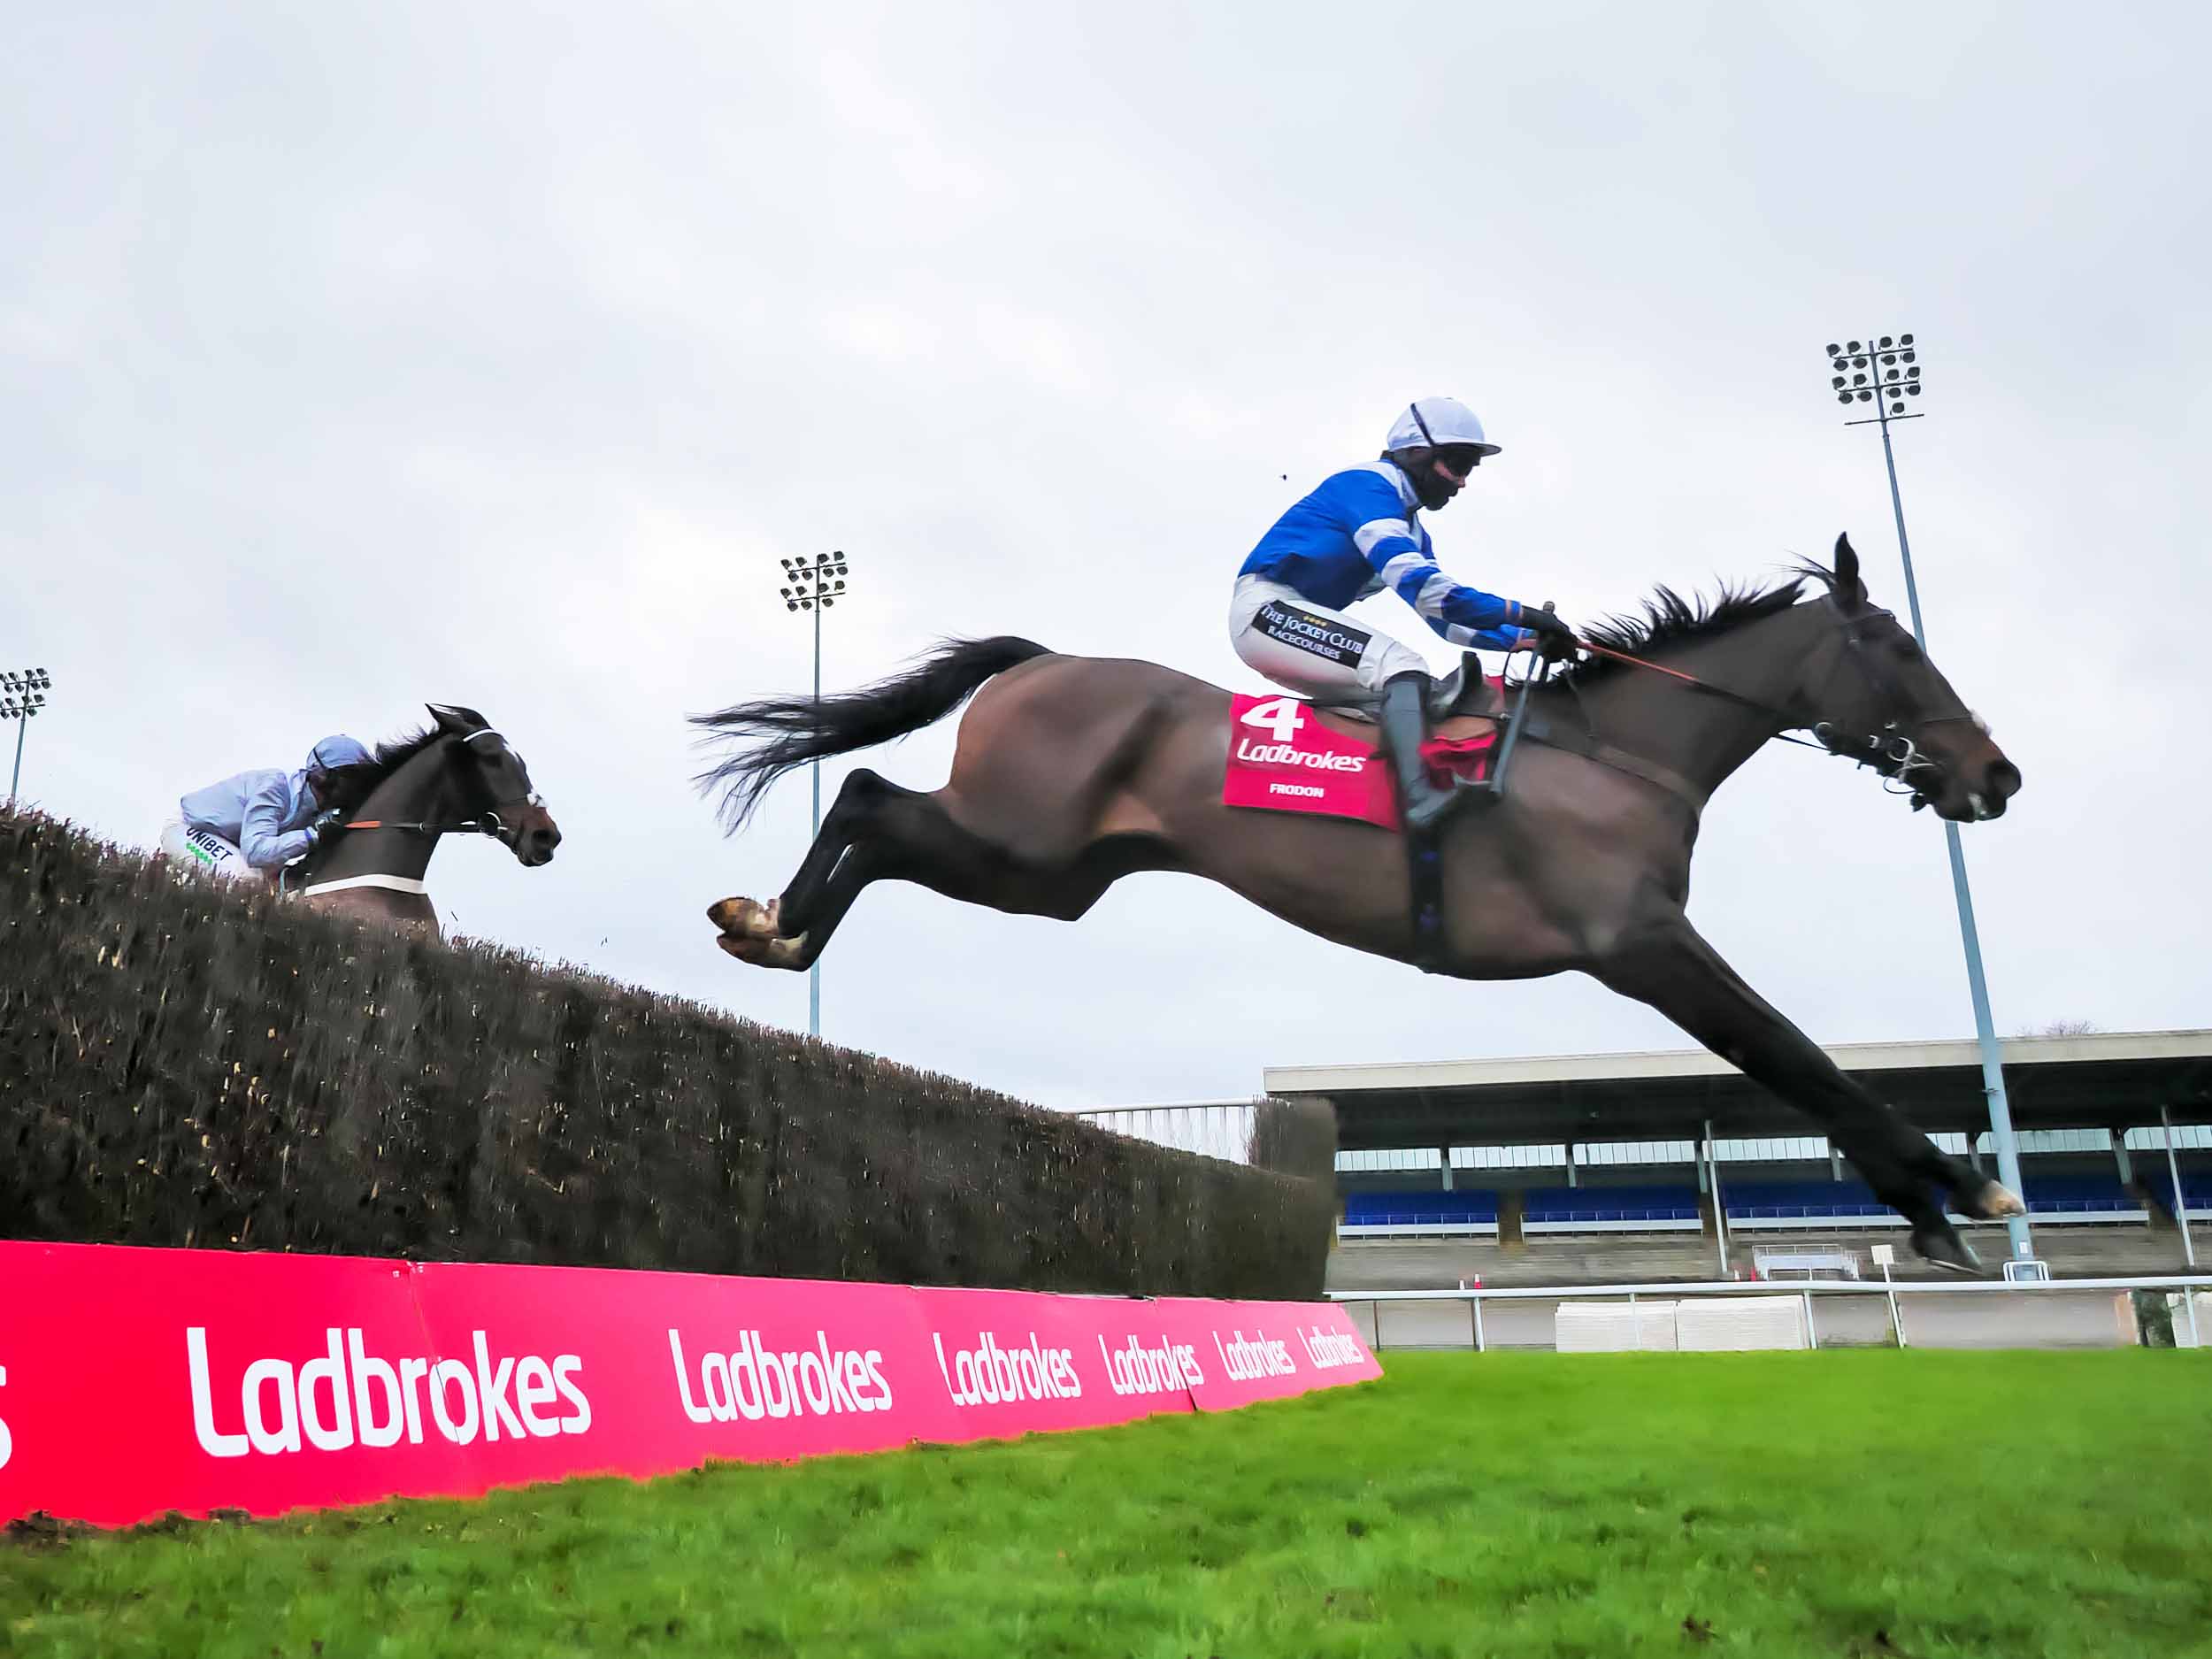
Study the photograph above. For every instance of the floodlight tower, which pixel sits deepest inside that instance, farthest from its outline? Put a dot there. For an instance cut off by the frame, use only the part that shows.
(815, 585)
(22, 695)
(1885, 371)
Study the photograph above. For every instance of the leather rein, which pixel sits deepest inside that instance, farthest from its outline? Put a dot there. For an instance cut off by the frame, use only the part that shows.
(1890, 751)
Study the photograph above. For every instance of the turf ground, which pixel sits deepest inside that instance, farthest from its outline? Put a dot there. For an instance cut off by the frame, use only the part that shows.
(1878, 1504)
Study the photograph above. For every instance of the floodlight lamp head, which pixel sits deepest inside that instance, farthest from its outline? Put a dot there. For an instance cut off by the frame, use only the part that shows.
(1887, 343)
(1852, 346)
(1904, 340)
(1913, 387)
(1865, 396)
(1843, 397)
(1833, 348)
(1836, 380)
(827, 604)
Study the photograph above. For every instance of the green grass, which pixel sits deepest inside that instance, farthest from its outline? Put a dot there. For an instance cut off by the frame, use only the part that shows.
(1876, 1503)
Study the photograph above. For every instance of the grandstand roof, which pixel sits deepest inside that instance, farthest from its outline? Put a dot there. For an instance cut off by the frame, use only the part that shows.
(2112, 1080)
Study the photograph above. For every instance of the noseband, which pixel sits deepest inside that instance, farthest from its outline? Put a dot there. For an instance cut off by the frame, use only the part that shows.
(1890, 751)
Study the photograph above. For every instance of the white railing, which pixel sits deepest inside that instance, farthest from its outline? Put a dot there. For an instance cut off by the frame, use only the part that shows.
(2189, 1283)
(1212, 1128)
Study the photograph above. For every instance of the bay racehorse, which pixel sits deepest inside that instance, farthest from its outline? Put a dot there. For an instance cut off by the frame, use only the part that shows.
(457, 777)
(1071, 773)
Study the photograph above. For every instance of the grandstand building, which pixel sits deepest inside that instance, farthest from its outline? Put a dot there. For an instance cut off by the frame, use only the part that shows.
(1674, 1165)
(1603, 1168)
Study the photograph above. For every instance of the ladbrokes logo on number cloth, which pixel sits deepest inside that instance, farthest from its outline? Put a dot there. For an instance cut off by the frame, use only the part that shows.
(1283, 760)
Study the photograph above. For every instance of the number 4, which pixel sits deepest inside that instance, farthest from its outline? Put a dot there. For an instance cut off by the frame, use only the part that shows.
(1280, 716)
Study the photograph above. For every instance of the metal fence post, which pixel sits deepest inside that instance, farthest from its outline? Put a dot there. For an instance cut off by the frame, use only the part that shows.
(2181, 1199)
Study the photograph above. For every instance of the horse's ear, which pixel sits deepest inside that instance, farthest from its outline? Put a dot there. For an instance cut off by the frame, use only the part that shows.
(1850, 592)
(452, 717)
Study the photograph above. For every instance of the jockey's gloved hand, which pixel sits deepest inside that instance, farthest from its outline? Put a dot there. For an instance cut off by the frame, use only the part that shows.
(323, 823)
(1553, 637)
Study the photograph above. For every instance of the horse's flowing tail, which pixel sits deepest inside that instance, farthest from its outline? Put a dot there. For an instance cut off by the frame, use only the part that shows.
(789, 731)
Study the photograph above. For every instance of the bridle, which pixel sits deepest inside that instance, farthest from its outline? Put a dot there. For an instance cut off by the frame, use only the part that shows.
(1891, 752)
(485, 823)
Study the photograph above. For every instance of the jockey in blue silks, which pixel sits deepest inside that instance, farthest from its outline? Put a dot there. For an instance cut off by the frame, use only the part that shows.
(1360, 532)
(256, 822)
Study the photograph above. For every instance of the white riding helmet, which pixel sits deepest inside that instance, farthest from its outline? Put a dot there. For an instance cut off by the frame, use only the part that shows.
(1437, 423)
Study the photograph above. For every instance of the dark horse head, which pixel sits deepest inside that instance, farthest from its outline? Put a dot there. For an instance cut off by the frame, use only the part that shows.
(457, 777)
(1875, 697)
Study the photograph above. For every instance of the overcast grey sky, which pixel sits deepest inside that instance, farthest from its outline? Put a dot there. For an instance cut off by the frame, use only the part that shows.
(356, 356)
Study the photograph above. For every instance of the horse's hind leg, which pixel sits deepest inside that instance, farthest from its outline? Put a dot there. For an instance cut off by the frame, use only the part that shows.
(1673, 969)
(790, 931)
(878, 831)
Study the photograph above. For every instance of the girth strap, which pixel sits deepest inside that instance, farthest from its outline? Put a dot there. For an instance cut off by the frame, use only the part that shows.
(1537, 729)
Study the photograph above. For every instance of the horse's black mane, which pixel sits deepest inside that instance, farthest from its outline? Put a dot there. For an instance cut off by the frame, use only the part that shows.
(392, 755)
(355, 784)
(1669, 618)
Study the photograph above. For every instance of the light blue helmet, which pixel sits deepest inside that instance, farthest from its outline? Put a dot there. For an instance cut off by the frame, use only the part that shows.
(335, 751)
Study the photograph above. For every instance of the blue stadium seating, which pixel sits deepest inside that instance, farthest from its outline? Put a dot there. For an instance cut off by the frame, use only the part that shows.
(1602, 1205)
(2077, 1194)
(1785, 1201)
(1429, 1208)
(1791, 1200)
(2197, 1186)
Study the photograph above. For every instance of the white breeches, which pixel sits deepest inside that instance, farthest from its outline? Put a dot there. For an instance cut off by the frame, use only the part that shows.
(1312, 649)
(205, 852)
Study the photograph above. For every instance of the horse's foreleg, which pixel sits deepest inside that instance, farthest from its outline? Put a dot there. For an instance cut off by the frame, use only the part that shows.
(1673, 970)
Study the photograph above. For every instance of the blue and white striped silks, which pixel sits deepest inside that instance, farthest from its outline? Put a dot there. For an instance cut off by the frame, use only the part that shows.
(1360, 532)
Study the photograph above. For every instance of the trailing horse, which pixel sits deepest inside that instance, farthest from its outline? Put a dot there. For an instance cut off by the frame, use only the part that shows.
(457, 777)
(1072, 773)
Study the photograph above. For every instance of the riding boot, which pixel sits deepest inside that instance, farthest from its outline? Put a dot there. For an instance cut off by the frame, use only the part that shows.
(1404, 727)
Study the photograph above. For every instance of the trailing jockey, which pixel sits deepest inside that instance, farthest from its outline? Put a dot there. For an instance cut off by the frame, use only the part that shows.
(254, 824)
(1358, 533)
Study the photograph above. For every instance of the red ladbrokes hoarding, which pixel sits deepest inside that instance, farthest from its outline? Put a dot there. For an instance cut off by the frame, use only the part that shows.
(137, 1381)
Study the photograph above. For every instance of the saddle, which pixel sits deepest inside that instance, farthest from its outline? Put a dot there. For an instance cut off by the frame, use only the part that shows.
(1290, 755)
(1464, 703)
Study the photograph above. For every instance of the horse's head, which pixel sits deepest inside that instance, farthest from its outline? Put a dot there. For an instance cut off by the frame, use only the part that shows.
(1881, 700)
(489, 781)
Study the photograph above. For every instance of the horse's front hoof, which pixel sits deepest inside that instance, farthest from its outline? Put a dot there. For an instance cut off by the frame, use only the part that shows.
(1943, 1248)
(1984, 1199)
(1993, 1201)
